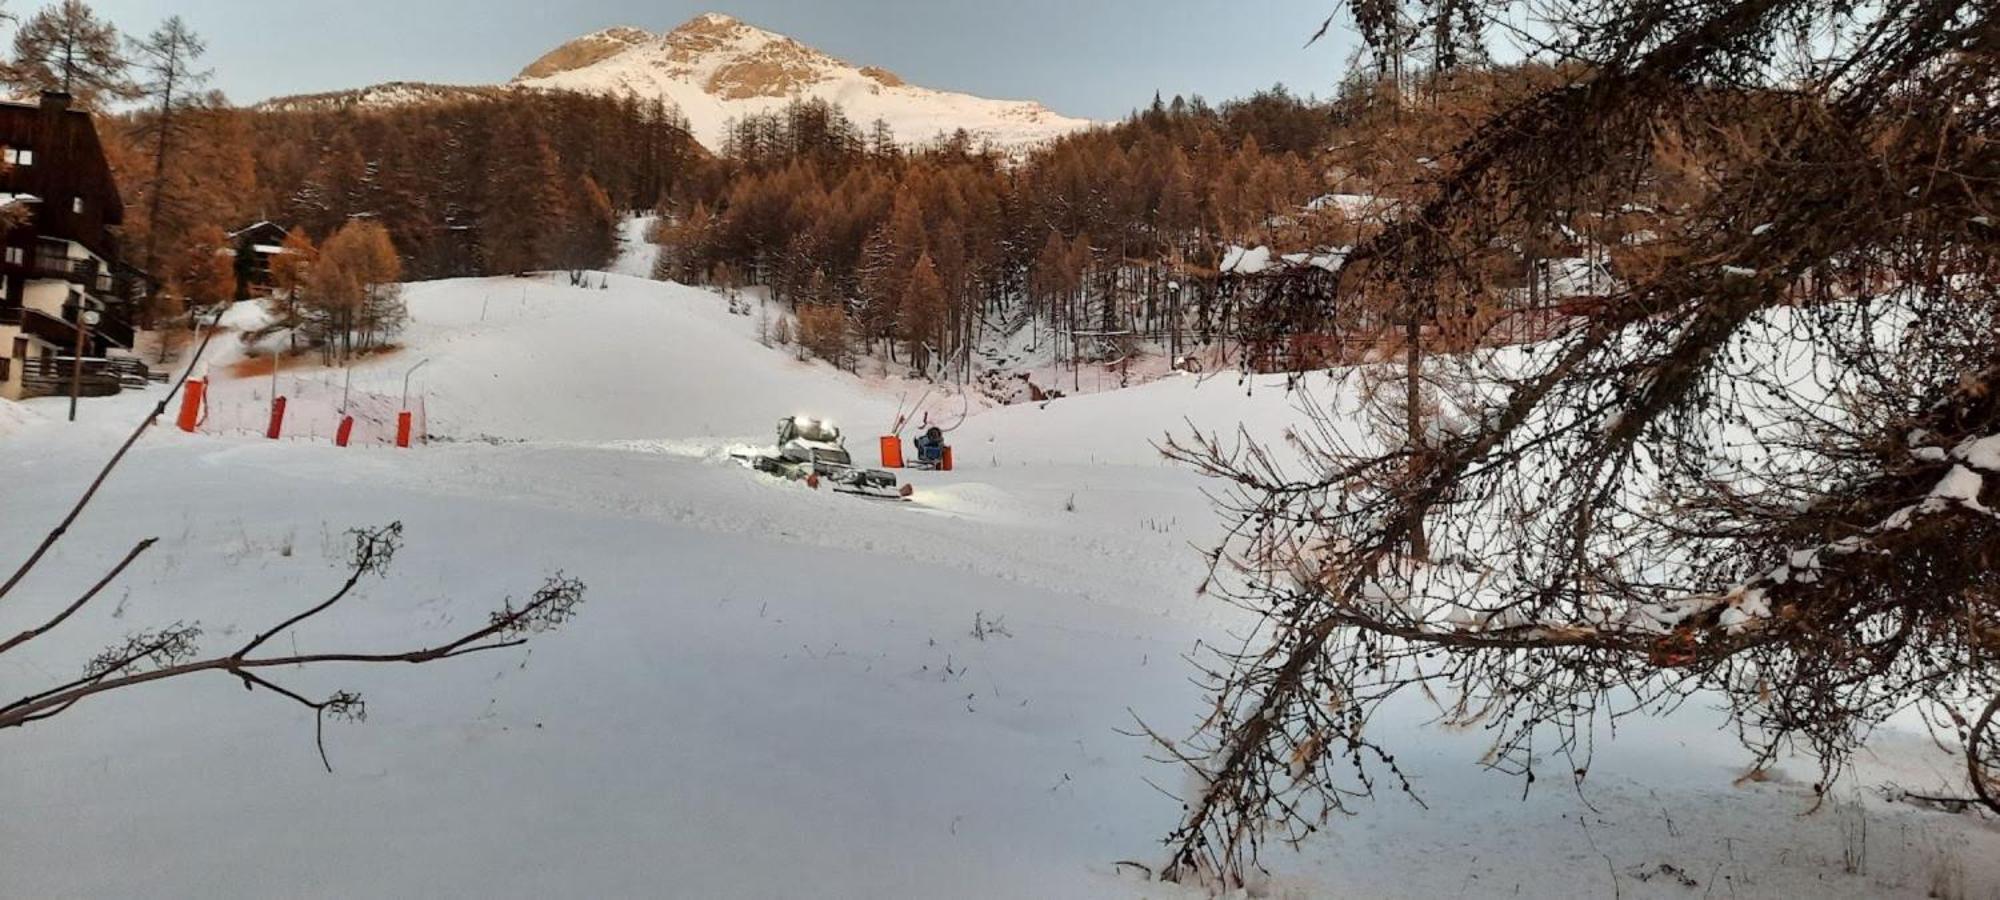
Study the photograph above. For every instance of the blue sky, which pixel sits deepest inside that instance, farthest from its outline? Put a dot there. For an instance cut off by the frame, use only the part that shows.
(1095, 58)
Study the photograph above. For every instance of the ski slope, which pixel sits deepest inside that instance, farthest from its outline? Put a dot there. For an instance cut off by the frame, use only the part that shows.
(771, 692)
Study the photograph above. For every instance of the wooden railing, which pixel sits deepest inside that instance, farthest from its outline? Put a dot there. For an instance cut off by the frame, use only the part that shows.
(53, 375)
(85, 272)
(108, 281)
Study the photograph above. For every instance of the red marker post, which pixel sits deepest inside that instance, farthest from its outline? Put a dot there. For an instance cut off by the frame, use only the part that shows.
(191, 398)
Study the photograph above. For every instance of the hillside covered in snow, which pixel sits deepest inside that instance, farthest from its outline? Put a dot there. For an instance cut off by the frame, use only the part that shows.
(716, 68)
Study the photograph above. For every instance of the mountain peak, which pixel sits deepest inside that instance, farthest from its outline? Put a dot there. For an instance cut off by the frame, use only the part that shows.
(717, 68)
(590, 49)
(708, 20)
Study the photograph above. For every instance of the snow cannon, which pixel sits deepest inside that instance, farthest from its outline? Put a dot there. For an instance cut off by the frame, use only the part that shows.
(933, 453)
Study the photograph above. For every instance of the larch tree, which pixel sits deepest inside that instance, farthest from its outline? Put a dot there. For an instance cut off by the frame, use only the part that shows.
(204, 267)
(888, 260)
(1762, 470)
(291, 273)
(67, 48)
(590, 238)
(353, 300)
(522, 228)
(921, 312)
(168, 58)
(208, 178)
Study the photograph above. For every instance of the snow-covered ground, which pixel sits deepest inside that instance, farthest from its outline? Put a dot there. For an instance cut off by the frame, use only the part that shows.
(770, 691)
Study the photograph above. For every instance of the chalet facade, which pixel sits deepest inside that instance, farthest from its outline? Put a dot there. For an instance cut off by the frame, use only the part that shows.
(63, 260)
(254, 246)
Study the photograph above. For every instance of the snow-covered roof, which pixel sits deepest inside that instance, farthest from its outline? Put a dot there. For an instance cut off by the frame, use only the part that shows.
(1250, 261)
(1260, 259)
(257, 226)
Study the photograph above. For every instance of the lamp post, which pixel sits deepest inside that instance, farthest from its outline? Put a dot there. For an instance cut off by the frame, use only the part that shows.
(403, 417)
(406, 381)
(84, 319)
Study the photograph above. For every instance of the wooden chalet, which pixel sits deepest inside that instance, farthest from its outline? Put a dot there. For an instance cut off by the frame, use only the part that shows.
(62, 258)
(254, 246)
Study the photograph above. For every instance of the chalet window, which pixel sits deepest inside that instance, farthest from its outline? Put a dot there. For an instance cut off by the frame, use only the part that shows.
(19, 157)
(76, 205)
(16, 256)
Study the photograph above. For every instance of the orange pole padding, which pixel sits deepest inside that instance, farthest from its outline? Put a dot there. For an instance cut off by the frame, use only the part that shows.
(346, 431)
(277, 418)
(191, 398)
(945, 464)
(403, 429)
(892, 452)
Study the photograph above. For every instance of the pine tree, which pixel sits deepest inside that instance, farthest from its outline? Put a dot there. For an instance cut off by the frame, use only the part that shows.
(66, 48)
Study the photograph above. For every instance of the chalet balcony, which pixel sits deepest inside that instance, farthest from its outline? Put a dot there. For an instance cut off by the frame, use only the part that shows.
(40, 325)
(90, 273)
(113, 330)
(108, 282)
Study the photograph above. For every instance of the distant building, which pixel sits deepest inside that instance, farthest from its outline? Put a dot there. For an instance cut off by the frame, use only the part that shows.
(62, 259)
(254, 246)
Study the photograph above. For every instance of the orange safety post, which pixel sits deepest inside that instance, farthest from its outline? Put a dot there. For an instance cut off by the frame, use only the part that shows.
(191, 396)
(892, 452)
(945, 464)
(403, 429)
(277, 418)
(346, 431)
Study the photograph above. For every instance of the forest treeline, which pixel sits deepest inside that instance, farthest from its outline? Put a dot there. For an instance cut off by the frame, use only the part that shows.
(1100, 239)
(1098, 243)
(516, 182)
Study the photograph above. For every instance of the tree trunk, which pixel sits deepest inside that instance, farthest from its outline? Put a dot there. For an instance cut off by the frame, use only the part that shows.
(1413, 370)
